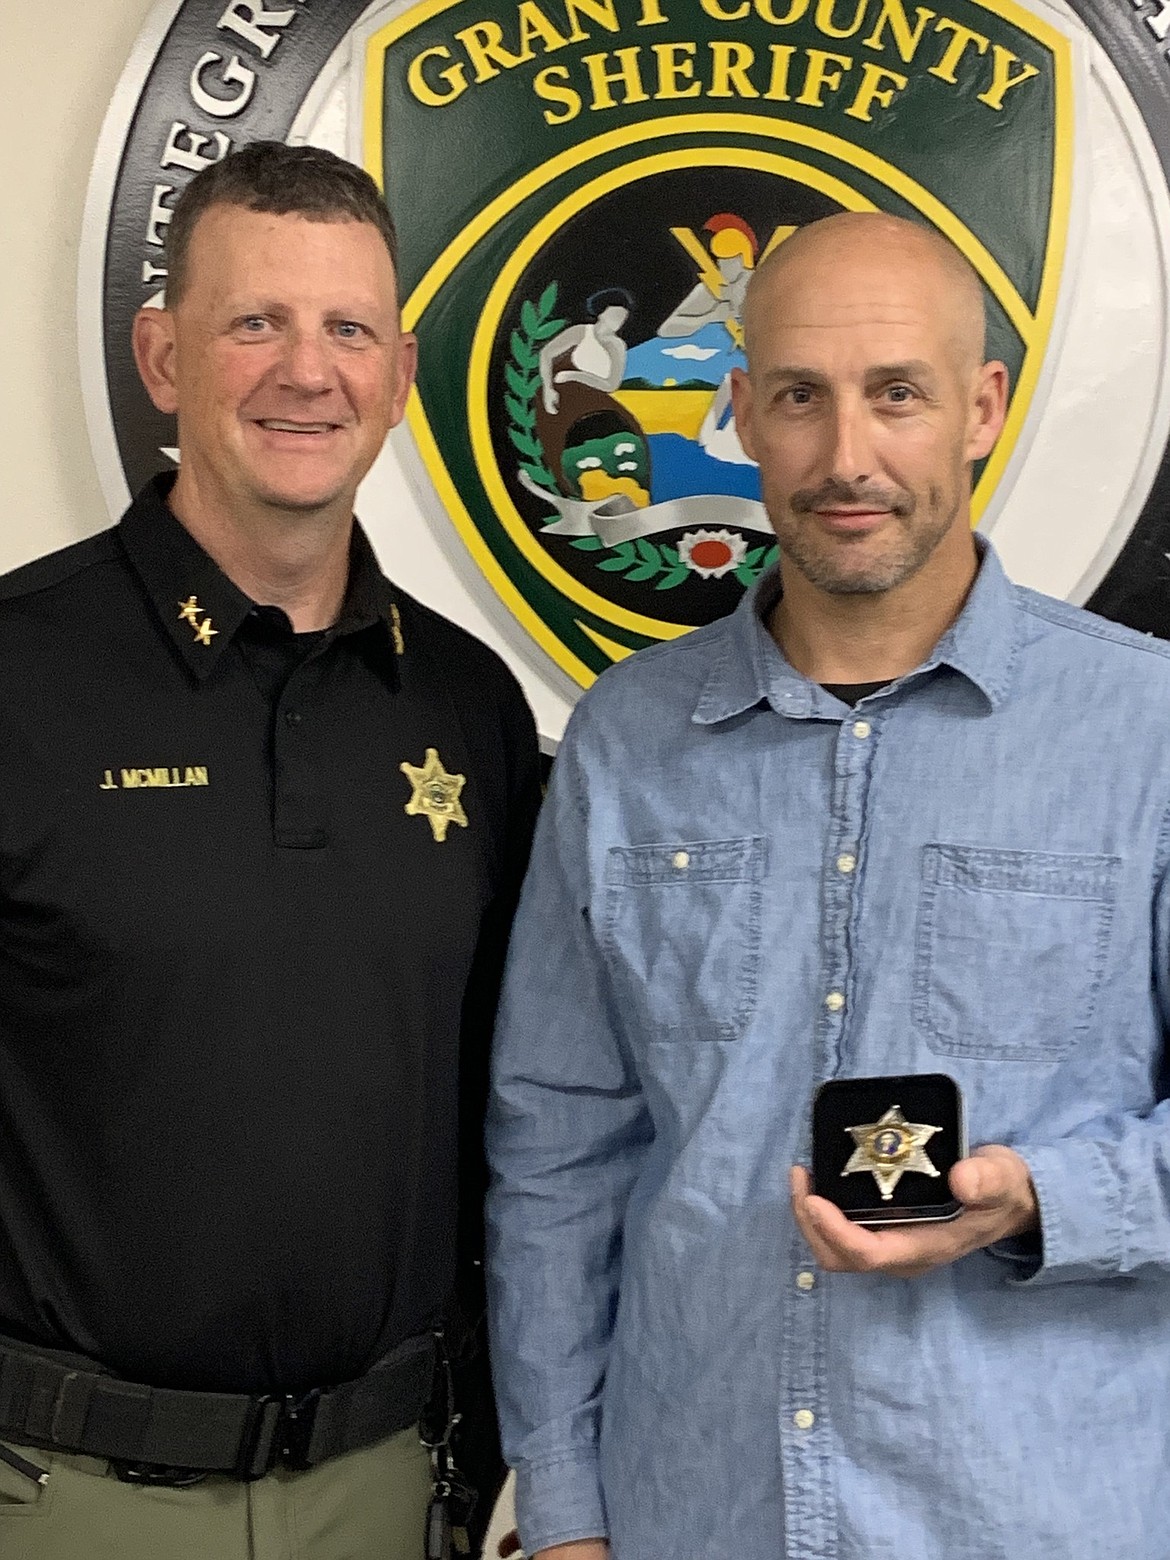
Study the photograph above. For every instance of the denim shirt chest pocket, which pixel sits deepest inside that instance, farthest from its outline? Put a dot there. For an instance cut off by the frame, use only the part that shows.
(682, 934)
(1010, 949)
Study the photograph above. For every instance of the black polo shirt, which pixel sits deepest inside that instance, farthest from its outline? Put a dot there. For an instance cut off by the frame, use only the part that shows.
(254, 891)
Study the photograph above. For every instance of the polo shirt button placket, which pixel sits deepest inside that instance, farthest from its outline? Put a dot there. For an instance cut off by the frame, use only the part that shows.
(292, 761)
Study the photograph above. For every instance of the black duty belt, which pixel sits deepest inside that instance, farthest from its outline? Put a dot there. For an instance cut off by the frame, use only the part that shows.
(65, 1403)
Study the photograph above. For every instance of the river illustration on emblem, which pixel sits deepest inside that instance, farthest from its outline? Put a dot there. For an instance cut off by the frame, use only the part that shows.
(613, 423)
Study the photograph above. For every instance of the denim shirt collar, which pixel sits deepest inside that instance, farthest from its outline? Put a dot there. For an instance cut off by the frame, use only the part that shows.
(750, 669)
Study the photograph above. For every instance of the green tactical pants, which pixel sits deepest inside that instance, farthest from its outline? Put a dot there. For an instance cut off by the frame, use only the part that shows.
(365, 1505)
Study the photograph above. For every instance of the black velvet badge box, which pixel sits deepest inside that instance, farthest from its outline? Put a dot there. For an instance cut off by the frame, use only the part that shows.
(887, 1117)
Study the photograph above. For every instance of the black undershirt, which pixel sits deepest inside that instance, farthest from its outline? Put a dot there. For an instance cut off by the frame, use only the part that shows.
(273, 650)
(853, 693)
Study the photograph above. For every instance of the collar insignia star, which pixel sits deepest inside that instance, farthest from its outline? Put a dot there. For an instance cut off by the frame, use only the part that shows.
(204, 632)
(189, 611)
(890, 1147)
(436, 794)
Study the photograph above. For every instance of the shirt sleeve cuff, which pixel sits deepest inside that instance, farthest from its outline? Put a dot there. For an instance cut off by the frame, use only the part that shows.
(1024, 1254)
(559, 1501)
(1080, 1216)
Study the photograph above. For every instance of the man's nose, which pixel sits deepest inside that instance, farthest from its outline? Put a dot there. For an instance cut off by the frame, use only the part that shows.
(306, 364)
(851, 458)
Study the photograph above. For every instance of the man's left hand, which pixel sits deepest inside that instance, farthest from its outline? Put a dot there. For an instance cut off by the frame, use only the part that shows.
(998, 1201)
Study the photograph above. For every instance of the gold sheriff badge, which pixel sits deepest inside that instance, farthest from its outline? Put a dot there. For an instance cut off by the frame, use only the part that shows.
(890, 1147)
(435, 794)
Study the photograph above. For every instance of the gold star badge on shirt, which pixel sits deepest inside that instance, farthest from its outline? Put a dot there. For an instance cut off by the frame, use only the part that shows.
(436, 794)
(890, 1147)
(204, 632)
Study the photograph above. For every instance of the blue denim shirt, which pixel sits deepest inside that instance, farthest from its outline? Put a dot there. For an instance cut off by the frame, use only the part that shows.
(740, 888)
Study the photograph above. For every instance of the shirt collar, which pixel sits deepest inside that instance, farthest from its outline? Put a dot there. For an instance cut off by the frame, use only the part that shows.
(201, 610)
(750, 669)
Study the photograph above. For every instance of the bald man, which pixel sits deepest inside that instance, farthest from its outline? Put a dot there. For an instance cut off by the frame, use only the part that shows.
(894, 816)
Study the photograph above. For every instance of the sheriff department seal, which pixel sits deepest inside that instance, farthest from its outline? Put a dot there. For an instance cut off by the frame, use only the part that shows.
(586, 187)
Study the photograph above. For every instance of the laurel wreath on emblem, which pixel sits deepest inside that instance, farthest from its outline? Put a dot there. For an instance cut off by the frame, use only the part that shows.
(638, 561)
(522, 375)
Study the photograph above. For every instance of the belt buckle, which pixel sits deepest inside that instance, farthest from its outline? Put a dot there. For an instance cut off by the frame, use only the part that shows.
(279, 1429)
(259, 1440)
(298, 1417)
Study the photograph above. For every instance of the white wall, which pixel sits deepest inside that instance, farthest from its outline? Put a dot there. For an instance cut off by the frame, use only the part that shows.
(59, 64)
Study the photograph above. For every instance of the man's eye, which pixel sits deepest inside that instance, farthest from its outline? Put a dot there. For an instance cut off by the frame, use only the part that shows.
(900, 394)
(348, 330)
(253, 323)
(799, 395)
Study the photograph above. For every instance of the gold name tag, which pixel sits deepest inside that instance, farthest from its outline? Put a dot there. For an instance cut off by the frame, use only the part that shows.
(143, 779)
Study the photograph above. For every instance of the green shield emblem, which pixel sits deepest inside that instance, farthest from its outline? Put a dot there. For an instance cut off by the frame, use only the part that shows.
(586, 187)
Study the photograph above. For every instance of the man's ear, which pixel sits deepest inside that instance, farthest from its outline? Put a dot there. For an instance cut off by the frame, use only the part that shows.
(153, 339)
(988, 410)
(404, 371)
(741, 405)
